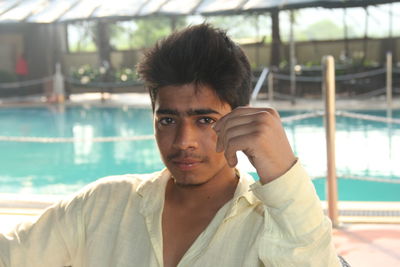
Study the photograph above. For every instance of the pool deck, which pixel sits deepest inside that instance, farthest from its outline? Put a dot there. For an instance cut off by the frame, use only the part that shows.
(369, 245)
(143, 100)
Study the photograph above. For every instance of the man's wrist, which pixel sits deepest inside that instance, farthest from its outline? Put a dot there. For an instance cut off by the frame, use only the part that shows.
(281, 170)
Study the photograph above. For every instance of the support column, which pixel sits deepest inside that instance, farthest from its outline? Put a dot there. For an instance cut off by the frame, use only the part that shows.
(330, 129)
(276, 44)
(389, 83)
(292, 60)
(270, 86)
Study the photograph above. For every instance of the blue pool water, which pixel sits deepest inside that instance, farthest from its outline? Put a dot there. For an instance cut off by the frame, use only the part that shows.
(364, 149)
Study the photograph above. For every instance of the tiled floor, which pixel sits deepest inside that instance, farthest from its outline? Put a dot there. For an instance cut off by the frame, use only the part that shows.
(369, 245)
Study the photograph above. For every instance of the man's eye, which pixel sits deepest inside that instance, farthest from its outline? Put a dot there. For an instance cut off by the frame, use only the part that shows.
(166, 121)
(206, 120)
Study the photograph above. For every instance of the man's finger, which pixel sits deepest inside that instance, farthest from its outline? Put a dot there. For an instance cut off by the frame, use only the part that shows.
(235, 144)
(241, 112)
(236, 112)
(234, 131)
(253, 120)
(230, 124)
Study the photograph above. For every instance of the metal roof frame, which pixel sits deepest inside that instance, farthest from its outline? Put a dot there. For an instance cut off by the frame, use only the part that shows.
(66, 11)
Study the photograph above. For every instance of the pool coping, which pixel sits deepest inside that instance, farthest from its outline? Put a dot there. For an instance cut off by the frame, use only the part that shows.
(367, 211)
(349, 211)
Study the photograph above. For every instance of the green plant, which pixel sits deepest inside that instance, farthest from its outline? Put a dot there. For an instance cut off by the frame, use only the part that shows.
(6, 77)
(125, 75)
(88, 74)
(312, 63)
(283, 64)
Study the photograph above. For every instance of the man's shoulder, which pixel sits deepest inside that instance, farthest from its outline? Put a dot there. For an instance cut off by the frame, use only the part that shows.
(131, 180)
(117, 184)
(112, 193)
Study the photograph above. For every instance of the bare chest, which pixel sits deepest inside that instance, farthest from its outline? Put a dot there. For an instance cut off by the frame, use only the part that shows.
(180, 230)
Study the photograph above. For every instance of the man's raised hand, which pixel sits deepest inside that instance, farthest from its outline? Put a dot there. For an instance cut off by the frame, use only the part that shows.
(259, 133)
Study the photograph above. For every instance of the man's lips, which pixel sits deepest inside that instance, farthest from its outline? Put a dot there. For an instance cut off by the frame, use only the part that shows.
(186, 164)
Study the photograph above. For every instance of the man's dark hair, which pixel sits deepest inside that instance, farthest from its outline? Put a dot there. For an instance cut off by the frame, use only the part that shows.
(202, 55)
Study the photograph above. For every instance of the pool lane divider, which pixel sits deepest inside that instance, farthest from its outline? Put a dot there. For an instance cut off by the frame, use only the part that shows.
(289, 119)
(74, 139)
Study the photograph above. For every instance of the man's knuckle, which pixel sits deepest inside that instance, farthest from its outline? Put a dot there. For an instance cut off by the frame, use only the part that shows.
(263, 114)
(257, 134)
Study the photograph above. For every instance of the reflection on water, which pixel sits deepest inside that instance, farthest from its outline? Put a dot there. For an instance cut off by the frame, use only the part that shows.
(364, 148)
(83, 150)
(59, 168)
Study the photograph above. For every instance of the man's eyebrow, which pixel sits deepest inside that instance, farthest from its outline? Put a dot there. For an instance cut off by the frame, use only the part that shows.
(167, 111)
(205, 111)
(190, 112)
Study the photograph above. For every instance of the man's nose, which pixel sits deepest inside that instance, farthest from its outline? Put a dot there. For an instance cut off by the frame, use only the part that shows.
(186, 136)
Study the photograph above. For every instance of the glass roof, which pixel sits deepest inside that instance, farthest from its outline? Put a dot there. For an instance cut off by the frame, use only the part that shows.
(49, 11)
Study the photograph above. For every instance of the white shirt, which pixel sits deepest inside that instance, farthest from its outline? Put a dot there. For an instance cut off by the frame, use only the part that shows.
(116, 222)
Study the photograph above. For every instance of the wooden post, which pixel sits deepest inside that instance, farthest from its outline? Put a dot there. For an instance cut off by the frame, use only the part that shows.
(276, 44)
(346, 35)
(389, 83)
(292, 60)
(330, 121)
(271, 86)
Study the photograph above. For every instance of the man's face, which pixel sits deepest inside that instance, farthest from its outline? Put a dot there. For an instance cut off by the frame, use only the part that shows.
(183, 116)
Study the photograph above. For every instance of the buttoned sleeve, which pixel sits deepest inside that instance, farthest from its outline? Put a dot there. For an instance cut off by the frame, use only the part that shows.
(296, 232)
(51, 240)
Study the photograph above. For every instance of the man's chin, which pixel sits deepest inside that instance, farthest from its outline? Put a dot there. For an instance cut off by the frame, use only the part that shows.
(185, 178)
(187, 184)
(194, 177)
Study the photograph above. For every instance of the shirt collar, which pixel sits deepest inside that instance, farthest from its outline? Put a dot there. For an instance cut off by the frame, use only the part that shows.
(152, 190)
(243, 190)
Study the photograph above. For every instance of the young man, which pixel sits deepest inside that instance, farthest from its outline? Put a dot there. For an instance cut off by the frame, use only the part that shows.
(200, 210)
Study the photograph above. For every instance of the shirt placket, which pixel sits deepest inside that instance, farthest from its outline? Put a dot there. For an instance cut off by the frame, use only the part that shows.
(204, 240)
(153, 223)
(151, 208)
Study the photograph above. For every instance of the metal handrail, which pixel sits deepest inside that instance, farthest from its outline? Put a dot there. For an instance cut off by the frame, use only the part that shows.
(259, 83)
(337, 78)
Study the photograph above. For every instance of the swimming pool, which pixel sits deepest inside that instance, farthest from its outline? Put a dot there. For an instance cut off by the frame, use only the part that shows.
(82, 143)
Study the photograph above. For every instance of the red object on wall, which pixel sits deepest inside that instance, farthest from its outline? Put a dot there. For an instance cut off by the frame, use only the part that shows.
(21, 68)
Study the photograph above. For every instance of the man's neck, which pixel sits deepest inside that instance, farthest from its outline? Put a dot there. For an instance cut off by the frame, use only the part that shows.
(217, 191)
(189, 209)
